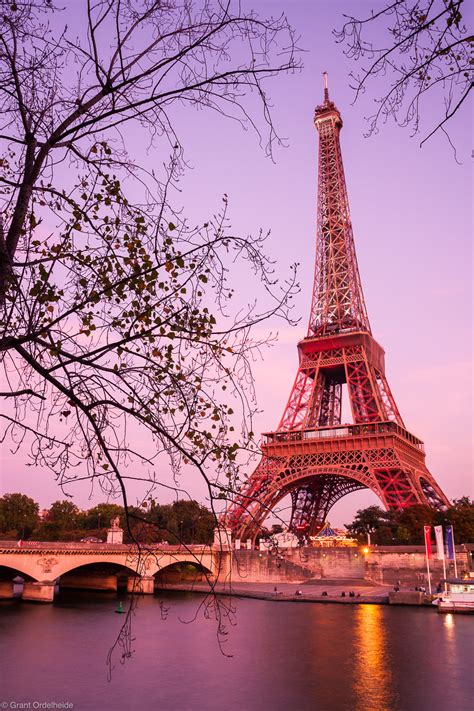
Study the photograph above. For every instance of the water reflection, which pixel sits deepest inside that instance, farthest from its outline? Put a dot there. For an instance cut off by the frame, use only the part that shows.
(449, 623)
(373, 679)
(450, 646)
(286, 656)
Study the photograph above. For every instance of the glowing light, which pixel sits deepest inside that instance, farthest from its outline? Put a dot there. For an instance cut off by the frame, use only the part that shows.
(449, 620)
(374, 690)
(365, 550)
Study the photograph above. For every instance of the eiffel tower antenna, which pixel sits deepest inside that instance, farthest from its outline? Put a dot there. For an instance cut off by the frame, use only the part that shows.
(326, 89)
(312, 455)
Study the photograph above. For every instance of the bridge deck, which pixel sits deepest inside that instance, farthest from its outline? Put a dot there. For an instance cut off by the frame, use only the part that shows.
(73, 546)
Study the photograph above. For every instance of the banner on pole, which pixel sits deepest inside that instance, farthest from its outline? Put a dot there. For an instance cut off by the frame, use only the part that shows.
(439, 542)
(427, 530)
(450, 555)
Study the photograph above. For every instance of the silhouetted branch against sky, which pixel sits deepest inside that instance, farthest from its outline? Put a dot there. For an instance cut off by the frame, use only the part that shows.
(120, 340)
(408, 49)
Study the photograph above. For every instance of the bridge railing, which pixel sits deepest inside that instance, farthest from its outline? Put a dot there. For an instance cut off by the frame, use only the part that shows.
(93, 547)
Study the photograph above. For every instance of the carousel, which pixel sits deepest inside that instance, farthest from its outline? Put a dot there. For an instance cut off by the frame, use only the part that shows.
(329, 537)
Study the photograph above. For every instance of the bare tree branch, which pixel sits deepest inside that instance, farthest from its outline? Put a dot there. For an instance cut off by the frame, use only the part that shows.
(425, 47)
(120, 344)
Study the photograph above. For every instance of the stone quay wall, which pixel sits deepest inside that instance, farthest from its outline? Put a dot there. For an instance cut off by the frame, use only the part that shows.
(384, 566)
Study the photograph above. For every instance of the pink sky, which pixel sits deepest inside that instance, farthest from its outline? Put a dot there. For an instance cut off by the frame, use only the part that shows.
(411, 216)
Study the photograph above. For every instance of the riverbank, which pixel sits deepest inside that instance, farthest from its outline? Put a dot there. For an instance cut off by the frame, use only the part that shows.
(345, 592)
(364, 591)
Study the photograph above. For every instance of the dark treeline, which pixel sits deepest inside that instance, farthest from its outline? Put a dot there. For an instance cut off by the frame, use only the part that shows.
(185, 521)
(406, 527)
(190, 522)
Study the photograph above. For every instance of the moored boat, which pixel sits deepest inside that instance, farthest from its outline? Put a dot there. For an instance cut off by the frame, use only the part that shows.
(458, 597)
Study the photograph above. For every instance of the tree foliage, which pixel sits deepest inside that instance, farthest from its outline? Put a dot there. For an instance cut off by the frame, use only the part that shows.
(119, 341)
(183, 521)
(100, 516)
(19, 515)
(424, 49)
(367, 520)
(60, 522)
(461, 517)
(406, 527)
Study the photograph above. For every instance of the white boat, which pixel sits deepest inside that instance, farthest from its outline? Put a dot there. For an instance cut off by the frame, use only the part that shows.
(458, 597)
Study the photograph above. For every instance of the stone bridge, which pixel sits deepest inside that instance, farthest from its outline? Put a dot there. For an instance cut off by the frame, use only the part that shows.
(97, 566)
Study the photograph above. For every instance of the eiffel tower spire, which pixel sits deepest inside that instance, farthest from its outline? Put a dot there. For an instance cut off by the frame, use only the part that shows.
(326, 88)
(338, 302)
(312, 455)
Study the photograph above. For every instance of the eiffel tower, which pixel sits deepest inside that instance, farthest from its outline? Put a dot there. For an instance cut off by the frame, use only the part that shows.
(312, 455)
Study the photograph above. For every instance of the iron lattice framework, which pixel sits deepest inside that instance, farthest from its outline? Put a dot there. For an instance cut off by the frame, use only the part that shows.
(313, 456)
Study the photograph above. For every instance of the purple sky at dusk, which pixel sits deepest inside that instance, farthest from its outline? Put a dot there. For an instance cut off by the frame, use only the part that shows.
(410, 211)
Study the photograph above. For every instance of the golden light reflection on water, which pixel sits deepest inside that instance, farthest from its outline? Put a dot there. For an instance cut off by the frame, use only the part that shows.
(449, 622)
(373, 683)
(449, 628)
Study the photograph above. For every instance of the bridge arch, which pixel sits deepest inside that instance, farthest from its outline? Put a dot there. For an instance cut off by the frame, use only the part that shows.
(9, 572)
(46, 563)
(69, 566)
(183, 571)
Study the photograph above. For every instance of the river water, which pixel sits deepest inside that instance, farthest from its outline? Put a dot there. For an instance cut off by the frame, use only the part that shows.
(285, 656)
